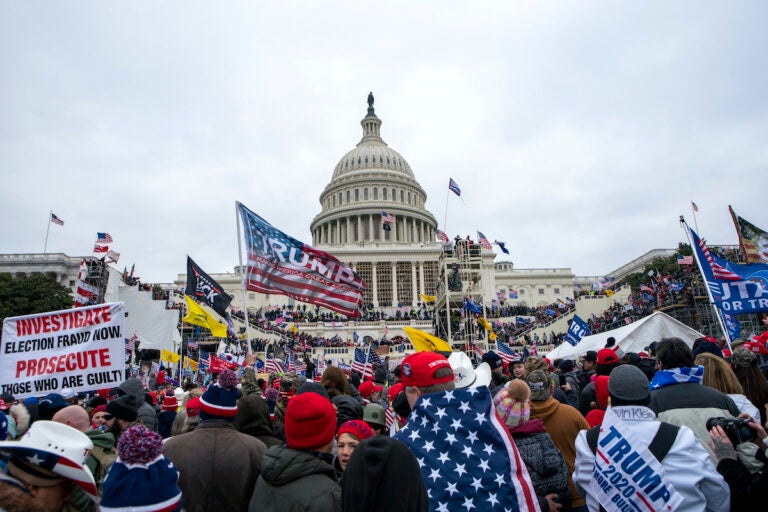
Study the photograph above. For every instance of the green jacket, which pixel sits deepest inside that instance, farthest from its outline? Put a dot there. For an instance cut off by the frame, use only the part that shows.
(295, 481)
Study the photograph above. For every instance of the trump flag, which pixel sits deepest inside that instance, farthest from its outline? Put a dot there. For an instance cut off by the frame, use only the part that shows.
(280, 264)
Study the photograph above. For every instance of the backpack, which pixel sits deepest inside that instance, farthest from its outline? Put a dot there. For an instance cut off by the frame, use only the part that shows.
(99, 462)
(660, 444)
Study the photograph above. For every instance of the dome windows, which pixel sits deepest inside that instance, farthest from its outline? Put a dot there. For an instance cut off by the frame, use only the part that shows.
(384, 193)
(348, 201)
(375, 193)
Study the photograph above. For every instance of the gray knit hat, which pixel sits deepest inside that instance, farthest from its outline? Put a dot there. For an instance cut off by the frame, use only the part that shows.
(629, 383)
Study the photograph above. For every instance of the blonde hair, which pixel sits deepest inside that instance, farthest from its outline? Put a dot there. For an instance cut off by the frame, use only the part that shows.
(718, 374)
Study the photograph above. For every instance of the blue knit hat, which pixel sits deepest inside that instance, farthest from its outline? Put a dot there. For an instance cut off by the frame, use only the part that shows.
(141, 478)
(220, 399)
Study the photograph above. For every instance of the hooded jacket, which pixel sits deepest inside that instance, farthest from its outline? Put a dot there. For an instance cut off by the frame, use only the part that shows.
(545, 464)
(563, 423)
(147, 413)
(252, 418)
(102, 456)
(295, 481)
(383, 476)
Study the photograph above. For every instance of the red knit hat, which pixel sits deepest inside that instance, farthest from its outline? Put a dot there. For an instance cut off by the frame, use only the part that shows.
(310, 422)
(419, 369)
(170, 403)
(357, 428)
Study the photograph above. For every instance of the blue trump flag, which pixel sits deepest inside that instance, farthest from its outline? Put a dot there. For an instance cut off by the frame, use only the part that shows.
(577, 330)
(731, 291)
(467, 456)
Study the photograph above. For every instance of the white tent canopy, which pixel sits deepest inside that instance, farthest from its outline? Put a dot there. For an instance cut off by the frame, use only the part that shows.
(633, 337)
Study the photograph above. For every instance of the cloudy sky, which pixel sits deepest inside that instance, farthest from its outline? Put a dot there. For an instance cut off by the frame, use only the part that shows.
(578, 131)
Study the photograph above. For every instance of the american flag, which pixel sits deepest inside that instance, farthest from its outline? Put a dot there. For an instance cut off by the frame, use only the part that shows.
(462, 448)
(298, 270)
(290, 365)
(718, 271)
(387, 218)
(684, 260)
(505, 352)
(477, 350)
(56, 220)
(274, 366)
(360, 363)
(85, 293)
(100, 248)
(534, 347)
(103, 238)
(389, 416)
(483, 241)
(130, 343)
(441, 236)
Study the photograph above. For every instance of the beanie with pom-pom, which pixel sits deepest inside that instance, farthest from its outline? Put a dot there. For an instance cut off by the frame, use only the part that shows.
(220, 399)
(141, 478)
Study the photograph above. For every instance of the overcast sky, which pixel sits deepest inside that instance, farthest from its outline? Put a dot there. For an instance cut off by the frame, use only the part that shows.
(578, 131)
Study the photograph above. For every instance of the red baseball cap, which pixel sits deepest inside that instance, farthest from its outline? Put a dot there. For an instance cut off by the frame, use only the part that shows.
(394, 390)
(419, 369)
(607, 356)
(368, 387)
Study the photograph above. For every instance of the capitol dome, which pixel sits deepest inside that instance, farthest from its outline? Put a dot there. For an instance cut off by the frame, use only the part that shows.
(369, 181)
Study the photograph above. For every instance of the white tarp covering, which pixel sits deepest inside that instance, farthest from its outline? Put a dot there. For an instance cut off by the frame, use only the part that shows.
(631, 338)
(155, 326)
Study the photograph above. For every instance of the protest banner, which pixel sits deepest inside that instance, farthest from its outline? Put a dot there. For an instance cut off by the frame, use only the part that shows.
(577, 330)
(81, 349)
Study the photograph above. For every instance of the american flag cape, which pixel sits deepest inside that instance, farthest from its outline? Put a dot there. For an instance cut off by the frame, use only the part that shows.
(467, 457)
(280, 264)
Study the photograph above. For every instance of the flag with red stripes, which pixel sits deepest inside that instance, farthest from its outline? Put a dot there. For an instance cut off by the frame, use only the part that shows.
(282, 265)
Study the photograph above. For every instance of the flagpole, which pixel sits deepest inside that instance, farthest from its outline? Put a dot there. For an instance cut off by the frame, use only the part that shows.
(445, 217)
(695, 222)
(242, 277)
(48, 230)
(706, 285)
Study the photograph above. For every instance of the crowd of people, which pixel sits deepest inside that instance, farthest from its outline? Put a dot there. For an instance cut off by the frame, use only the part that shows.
(681, 423)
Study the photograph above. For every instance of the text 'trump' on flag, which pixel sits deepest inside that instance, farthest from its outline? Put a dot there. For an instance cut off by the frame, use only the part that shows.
(280, 264)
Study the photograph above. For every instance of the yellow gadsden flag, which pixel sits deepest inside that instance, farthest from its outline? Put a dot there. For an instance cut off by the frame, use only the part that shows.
(427, 298)
(191, 364)
(199, 316)
(167, 355)
(425, 342)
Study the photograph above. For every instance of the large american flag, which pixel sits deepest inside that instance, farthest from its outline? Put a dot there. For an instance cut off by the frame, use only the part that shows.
(441, 236)
(56, 220)
(483, 241)
(467, 457)
(360, 363)
(477, 350)
(387, 218)
(103, 238)
(505, 352)
(274, 366)
(280, 264)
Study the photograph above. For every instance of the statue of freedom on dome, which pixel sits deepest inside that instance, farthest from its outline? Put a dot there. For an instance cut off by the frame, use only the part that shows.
(370, 100)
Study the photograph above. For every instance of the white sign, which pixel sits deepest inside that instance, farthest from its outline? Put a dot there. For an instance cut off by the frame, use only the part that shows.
(626, 474)
(82, 349)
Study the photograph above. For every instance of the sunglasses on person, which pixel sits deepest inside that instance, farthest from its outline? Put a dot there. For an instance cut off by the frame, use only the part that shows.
(108, 416)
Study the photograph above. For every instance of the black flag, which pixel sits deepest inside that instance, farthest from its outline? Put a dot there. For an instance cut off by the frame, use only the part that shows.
(206, 290)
